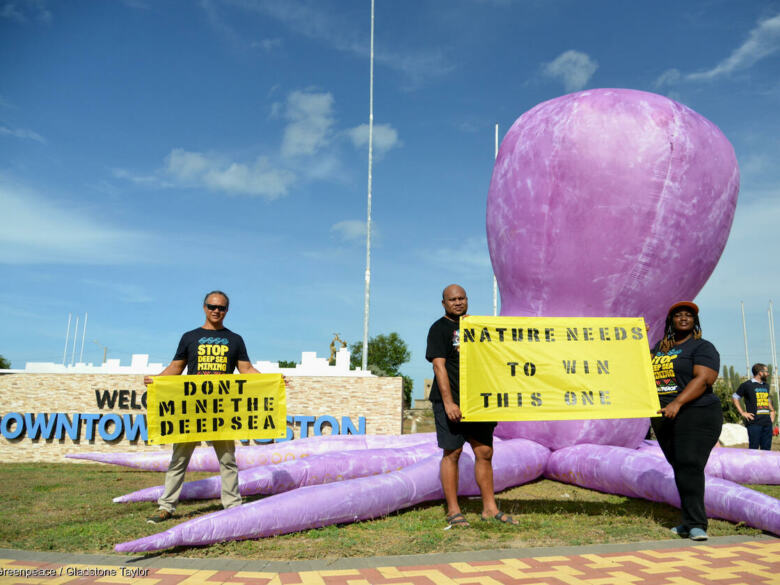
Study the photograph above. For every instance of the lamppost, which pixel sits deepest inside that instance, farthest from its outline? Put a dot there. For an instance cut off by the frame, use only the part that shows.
(364, 364)
(105, 349)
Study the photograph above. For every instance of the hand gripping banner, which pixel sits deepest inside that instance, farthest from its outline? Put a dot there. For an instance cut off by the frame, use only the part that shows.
(555, 368)
(183, 409)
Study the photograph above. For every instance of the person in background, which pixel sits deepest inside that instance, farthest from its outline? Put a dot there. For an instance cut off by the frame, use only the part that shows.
(759, 414)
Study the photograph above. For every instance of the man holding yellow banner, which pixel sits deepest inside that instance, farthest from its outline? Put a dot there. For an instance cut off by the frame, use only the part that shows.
(209, 349)
(443, 350)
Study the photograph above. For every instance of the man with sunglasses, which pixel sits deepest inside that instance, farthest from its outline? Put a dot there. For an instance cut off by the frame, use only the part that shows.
(209, 349)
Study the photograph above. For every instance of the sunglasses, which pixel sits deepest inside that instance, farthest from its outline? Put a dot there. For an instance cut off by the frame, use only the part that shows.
(216, 307)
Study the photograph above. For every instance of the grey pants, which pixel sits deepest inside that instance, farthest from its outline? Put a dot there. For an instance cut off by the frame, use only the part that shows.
(228, 470)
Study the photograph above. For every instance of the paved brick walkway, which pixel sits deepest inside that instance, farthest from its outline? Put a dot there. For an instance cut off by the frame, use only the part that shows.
(754, 561)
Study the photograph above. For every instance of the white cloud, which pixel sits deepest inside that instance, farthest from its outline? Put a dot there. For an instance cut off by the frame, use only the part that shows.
(267, 45)
(138, 179)
(762, 42)
(419, 66)
(469, 255)
(573, 68)
(187, 166)
(385, 137)
(303, 155)
(217, 174)
(323, 167)
(219, 24)
(351, 230)
(308, 132)
(10, 11)
(668, 77)
(311, 120)
(25, 10)
(22, 133)
(42, 231)
(316, 21)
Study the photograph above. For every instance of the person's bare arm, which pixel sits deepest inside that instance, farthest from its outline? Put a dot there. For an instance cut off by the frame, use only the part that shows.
(742, 413)
(702, 377)
(247, 368)
(443, 381)
(175, 368)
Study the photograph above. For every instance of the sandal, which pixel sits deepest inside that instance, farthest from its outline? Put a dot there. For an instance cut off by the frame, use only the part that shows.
(502, 518)
(456, 520)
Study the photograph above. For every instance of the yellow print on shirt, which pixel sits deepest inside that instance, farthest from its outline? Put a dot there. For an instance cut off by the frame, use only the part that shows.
(663, 370)
(212, 357)
(762, 402)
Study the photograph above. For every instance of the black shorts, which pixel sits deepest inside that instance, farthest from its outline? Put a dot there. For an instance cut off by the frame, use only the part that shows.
(451, 435)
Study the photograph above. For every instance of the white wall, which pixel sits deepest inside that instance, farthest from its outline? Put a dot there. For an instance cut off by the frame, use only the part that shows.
(310, 365)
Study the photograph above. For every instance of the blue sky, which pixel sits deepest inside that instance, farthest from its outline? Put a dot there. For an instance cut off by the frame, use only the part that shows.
(151, 151)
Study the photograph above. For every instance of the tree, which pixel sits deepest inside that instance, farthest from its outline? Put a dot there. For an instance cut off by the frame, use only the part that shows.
(287, 363)
(4, 364)
(731, 378)
(408, 386)
(723, 390)
(386, 354)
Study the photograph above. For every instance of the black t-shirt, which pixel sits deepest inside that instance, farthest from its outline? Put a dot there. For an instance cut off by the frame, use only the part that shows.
(210, 351)
(444, 342)
(756, 397)
(674, 369)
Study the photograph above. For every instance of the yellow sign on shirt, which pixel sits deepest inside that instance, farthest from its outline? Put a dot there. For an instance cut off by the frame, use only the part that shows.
(183, 409)
(555, 368)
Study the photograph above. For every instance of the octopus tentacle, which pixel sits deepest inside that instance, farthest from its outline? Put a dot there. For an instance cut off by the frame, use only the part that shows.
(738, 465)
(514, 462)
(289, 475)
(639, 474)
(204, 458)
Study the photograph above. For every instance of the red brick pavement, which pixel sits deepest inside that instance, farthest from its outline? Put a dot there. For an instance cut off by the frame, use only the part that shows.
(749, 563)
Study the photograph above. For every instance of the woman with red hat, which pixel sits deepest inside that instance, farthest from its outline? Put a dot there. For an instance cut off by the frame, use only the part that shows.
(685, 368)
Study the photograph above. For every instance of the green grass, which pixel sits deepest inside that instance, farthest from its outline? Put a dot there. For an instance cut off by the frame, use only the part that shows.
(67, 507)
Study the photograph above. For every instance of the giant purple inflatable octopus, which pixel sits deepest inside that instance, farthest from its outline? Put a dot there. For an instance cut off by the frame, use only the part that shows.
(607, 202)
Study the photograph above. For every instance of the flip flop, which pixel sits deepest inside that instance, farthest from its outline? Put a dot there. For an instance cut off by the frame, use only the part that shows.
(502, 518)
(456, 520)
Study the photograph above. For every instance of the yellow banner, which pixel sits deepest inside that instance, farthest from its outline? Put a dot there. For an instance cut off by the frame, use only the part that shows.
(555, 368)
(183, 409)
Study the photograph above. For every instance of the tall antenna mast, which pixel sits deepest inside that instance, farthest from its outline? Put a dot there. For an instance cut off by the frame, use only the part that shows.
(364, 364)
(67, 336)
(773, 347)
(495, 282)
(75, 333)
(744, 334)
(83, 335)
